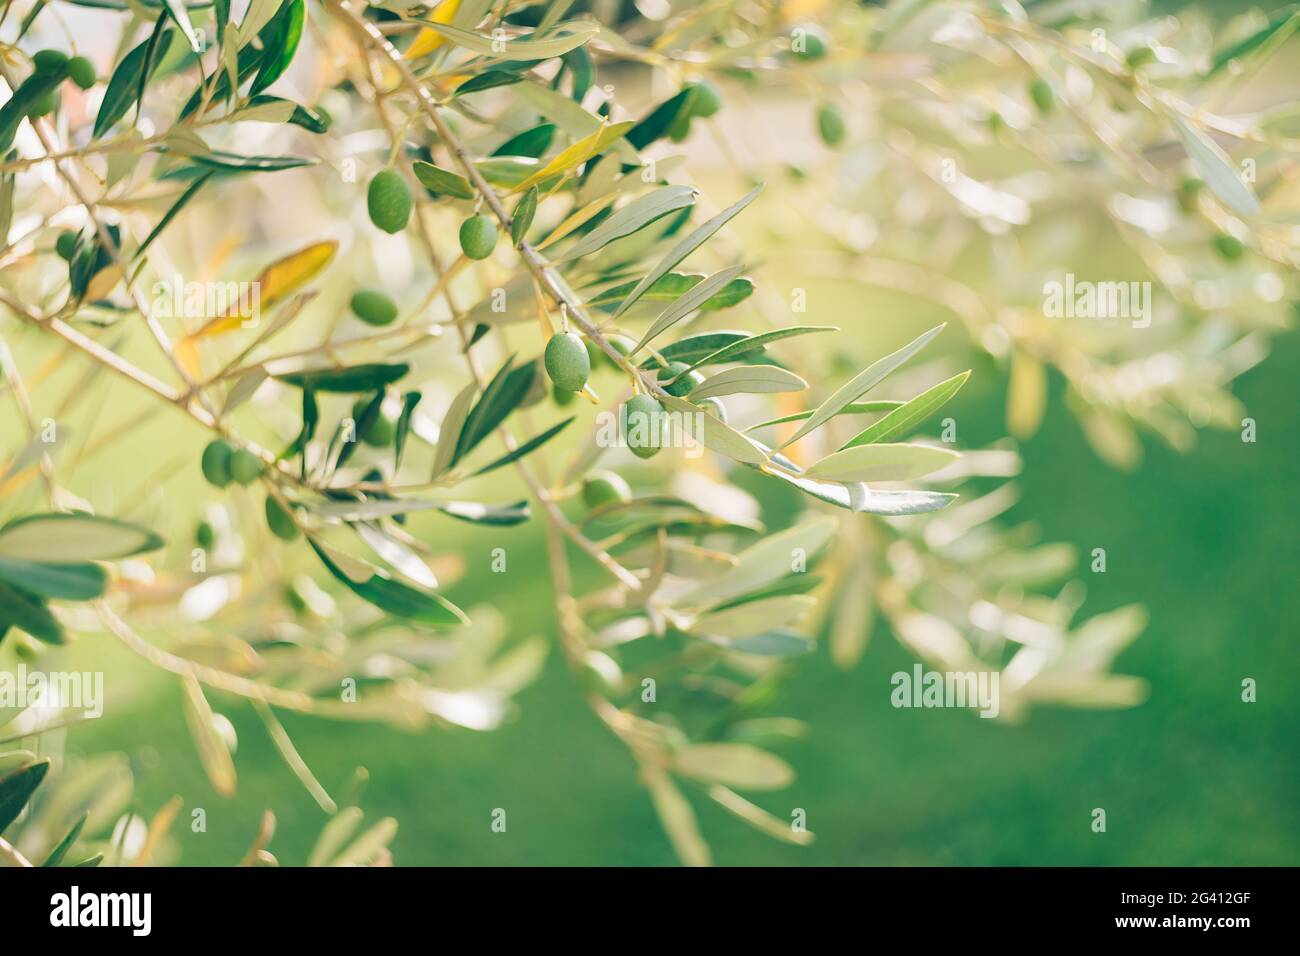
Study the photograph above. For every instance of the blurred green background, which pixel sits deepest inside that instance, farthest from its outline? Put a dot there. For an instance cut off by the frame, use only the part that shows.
(1194, 776)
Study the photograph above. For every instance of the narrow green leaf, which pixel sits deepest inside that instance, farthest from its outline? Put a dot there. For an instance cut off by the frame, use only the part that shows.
(70, 582)
(868, 378)
(903, 419)
(633, 217)
(522, 218)
(20, 609)
(531, 142)
(560, 40)
(502, 396)
(73, 538)
(281, 45)
(56, 855)
(478, 513)
(403, 429)
(685, 247)
(127, 83)
(764, 561)
(17, 789)
(713, 433)
(453, 423)
(748, 379)
(687, 304)
(756, 342)
(401, 600)
(176, 207)
(853, 408)
(882, 462)
(353, 379)
(442, 181)
(527, 448)
(176, 9)
(1218, 170)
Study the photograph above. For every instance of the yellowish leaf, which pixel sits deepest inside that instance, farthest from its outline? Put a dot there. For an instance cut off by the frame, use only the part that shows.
(426, 41)
(278, 280)
(578, 153)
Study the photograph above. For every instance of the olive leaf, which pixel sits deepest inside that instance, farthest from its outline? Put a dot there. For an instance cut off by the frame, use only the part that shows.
(16, 790)
(353, 379)
(522, 217)
(71, 582)
(686, 304)
(684, 248)
(748, 379)
(558, 41)
(735, 765)
(442, 181)
(882, 462)
(281, 45)
(531, 142)
(868, 378)
(214, 755)
(906, 417)
(74, 538)
(635, 216)
(503, 394)
(375, 587)
(129, 79)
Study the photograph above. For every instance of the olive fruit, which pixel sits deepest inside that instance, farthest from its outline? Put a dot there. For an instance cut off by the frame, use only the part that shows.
(279, 520)
(66, 244)
(82, 72)
(567, 361)
(478, 236)
(216, 462)
(643, 425)
(683, 384)
(373, 307)
(245, 467)
(1229, 247)
(204, 535)
(1189, 191)
(602, 488)
(1040, 91)
(809, 42)
(830, 125)
(49, 61)
(389, 201)
(705, 100)
(560, 396)
(379, 432)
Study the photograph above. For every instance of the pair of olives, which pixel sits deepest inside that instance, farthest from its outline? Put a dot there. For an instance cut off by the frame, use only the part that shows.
(223, 463)
(389, 202)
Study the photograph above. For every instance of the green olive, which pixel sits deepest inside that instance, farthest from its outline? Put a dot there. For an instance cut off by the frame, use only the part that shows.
(478, 236)
(705, 101)
(82, 72)
(643, 425)
(830, 125)
(602, 488)
(279, 520)
(205, 535)
(49, 61)
(373, 307)
(66, 244)
(809, 43)
(567, 361)
(389, 201)
(683, 384)
(245, 467)
(1229, 247)
(216, 462)
(1040, 91)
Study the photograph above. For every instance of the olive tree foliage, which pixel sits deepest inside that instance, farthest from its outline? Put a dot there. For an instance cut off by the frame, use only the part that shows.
(473, 261)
